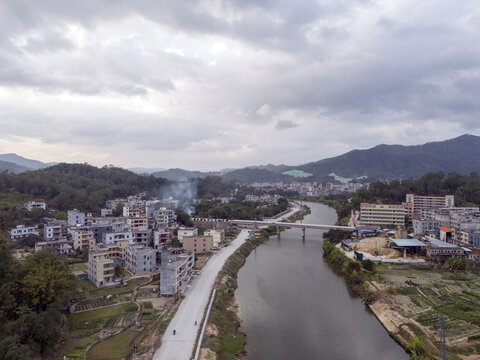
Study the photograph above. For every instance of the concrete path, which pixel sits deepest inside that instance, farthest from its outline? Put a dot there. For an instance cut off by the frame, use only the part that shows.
(192, 308)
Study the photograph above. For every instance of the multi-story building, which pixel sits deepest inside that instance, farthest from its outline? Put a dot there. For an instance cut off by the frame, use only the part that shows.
(22, 231)
(83, 239)
(422, 226)
(183, 231)
(35, 204)
(100, 268)
(175, 273)
(138, 223)
(76, 218)
(113, 237)
(198, 243)
(99, 229)
(52, 231)
(218, 237)
(142, 236)
(60, 246)
(382, 214)
(131, 211)
(416, 203)
(140, 259)
(115, 251)
(161, 237)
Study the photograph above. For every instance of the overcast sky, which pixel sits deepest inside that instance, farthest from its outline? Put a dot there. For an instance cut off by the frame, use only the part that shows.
(214, 84)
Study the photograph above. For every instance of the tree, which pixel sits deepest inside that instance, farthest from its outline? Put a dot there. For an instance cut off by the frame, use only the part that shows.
(45, 278)
(30, 240)
(118, 211)
(183, 218)
(118, 271)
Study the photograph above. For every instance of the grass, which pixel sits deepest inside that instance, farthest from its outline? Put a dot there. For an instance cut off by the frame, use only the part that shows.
(103, 312)
(79, 350)
(116, 347)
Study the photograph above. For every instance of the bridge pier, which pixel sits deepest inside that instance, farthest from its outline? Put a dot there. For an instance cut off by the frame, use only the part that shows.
(278, 231)
(303, 234)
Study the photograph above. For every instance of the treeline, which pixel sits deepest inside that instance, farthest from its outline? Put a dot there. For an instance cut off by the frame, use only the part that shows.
(68, 186)
(236, 209)
(32, 294)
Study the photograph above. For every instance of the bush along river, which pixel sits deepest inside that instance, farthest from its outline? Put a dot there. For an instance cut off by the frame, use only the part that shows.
(292, 305)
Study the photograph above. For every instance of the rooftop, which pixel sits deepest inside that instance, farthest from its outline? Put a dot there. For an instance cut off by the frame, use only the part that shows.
(440, 243)
(407, 242)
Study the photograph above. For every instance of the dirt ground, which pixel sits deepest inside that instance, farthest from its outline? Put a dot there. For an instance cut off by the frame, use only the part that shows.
(207, 354)
(201, 261)
(159, 303)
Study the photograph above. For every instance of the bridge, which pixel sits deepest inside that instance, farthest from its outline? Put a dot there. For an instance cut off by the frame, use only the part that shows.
(279, 224)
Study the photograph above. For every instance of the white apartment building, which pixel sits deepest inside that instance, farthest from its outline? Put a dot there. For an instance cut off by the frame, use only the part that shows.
(382, 214)
(22, 231)
(140, 259)
(60, 246)
(416, 203)
(52, 231)
(83, 239)
(175, 273)
(113, 237)
(34, 204)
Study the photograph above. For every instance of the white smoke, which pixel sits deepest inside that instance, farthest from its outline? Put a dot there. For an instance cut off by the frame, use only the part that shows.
(183, 191)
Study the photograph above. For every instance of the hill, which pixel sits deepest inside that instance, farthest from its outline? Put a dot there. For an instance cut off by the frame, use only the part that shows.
(182, 175)
(399, 162)
(248, 176)
(11, 167)
(28, 164)
(81, 186)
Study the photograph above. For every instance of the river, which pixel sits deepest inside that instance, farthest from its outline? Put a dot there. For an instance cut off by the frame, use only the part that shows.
(294, 306)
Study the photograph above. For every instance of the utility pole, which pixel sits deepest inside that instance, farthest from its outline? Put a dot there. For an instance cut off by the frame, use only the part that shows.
(442, 320)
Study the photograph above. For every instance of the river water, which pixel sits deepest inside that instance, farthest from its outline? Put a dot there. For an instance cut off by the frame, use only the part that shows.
(293, 305)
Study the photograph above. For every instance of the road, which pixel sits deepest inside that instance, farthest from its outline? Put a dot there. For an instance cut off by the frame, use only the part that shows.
(192, 308)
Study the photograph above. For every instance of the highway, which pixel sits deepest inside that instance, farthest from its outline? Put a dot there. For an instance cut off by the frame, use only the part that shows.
(192, 308)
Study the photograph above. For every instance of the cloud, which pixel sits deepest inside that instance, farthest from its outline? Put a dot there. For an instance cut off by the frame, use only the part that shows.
(201, 84)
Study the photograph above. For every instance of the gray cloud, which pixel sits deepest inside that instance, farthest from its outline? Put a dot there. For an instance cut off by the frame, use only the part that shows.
(201, 82)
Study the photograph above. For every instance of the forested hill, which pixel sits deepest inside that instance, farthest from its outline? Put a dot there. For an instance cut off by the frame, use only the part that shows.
(399, 162)
(81, 186)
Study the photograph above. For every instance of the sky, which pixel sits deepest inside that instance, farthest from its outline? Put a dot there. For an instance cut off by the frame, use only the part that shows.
(207, 85)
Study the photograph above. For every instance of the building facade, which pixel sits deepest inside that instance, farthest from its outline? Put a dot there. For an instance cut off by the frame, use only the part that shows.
(218, 237)
(22, 231)
(175, 273)
(416, 203)
(382, 214)
(100, 268)
(140, 259)
(198, 243)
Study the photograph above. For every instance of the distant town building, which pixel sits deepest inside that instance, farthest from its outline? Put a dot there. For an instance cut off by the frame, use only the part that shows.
(22, 231)
(416, 203)
(83, 239)
(113, 237)
(115, 251)
(382, 214)
(161, 237)
(137, 223)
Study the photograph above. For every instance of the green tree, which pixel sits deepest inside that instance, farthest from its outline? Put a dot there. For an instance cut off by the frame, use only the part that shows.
(118, 271)
(118, 211)
(30, 240)
(46, 278)
(183, 218)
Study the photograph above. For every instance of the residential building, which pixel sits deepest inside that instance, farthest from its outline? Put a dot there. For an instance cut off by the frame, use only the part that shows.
(22, 231)
(76, 218)
(422, 226)
(218, 237)
(198, 243)
(382, 214)
(176, 272)
(183, 231)
(35, 204)
(416, 203)
(137, 223)
(113, 237)
(142, 236)
(83, 239)
(100, 268)
(115, 251)
(444, 249)
(106, 212)
(131, 211)
(52, 231)
(140, 259)
(161, 237)
(99, 229)
(60, 246)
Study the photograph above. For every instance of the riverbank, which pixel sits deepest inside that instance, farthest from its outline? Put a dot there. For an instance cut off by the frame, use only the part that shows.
(409, 299)
(223, 337)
